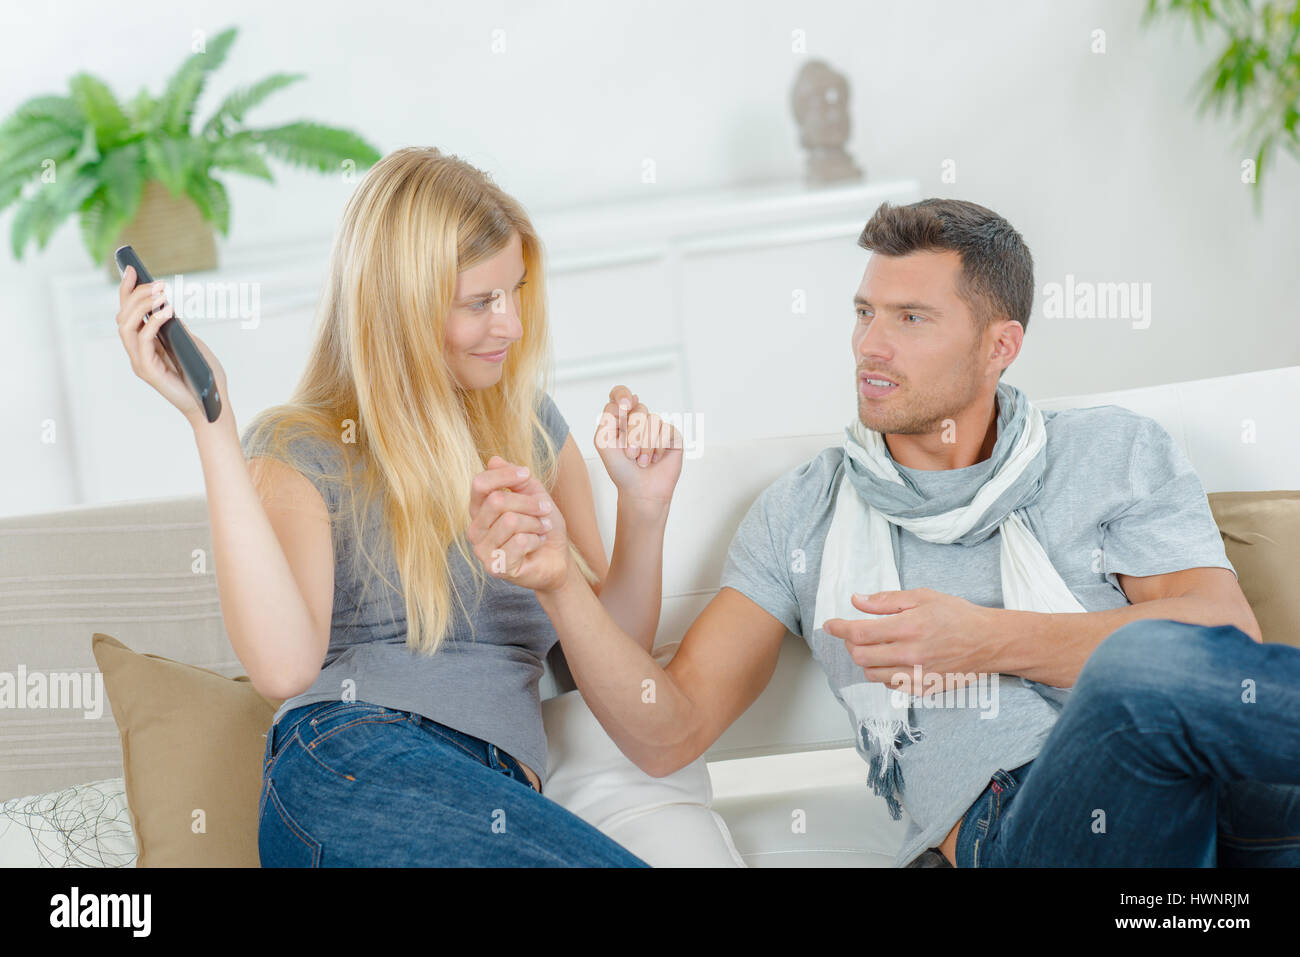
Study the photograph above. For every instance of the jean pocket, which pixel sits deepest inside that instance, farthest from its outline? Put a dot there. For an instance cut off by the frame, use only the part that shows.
(334, 716)
(345, 740)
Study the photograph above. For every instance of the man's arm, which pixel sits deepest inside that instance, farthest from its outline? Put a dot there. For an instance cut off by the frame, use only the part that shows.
(663, 719)
(631, 582)
(1052, 648)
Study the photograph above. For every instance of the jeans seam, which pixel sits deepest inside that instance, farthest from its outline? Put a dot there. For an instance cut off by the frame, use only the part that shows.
(334, 707)
(284, 747)
(450, 740)
(294, 828)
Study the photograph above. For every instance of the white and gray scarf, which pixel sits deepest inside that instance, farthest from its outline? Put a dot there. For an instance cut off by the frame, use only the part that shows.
(872, 502)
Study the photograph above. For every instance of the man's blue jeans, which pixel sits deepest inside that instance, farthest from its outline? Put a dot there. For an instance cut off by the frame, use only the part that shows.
(354, 784)
(1178, 747)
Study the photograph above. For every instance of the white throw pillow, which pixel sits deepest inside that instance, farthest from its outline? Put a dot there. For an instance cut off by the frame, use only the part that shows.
(667, 822)
(85, 825)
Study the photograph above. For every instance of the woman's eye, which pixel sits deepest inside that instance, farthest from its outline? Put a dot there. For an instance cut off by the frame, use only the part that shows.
(484, 303)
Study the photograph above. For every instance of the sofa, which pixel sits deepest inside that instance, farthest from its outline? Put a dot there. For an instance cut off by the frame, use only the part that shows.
(141, 572)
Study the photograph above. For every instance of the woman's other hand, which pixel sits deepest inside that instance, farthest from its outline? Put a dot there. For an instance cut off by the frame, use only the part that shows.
(642, 453)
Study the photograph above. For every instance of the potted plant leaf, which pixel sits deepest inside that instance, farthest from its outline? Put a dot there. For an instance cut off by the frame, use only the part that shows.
(1257, 73)
(141, 173)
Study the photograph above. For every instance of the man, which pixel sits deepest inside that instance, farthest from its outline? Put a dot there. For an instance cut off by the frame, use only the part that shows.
(1023, 544)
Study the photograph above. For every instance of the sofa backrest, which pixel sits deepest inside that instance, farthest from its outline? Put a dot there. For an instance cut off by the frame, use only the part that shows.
(143, 573)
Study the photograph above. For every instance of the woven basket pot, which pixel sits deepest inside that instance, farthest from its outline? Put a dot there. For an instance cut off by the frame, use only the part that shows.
(169, 234)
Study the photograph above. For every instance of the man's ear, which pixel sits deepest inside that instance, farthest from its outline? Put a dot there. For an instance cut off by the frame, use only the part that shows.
(1008, 339)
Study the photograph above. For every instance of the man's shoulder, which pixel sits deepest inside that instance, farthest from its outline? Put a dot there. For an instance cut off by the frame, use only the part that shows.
(1096, 429)
(805, 481)
(1091, 417)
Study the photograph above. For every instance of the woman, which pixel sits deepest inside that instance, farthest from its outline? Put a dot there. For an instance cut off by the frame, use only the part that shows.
(411, 733)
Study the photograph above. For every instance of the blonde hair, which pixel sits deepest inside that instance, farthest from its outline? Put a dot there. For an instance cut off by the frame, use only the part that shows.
(378, 385)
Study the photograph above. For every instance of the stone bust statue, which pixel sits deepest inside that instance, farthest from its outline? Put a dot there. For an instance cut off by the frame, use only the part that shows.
(820, 102)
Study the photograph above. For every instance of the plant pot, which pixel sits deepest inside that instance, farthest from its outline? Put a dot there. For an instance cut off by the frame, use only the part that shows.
(169, 234)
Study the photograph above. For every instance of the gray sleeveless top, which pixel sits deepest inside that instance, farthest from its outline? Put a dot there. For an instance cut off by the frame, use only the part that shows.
(485, 686)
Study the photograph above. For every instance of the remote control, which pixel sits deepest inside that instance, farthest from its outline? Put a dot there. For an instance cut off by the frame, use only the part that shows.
(180, 347)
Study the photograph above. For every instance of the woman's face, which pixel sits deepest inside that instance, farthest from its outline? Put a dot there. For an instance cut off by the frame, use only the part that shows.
(484, 318)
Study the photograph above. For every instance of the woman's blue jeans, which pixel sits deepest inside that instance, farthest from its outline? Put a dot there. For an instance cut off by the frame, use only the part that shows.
(1179, 746)
(353, 784)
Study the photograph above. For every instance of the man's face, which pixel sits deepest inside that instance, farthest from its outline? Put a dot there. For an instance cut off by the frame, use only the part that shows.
(913, 329)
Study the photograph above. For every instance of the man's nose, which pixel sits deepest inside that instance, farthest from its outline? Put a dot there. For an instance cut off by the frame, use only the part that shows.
(873, 341)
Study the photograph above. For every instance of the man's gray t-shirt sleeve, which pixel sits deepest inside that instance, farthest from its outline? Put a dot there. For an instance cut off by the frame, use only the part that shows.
(757, 565)
(1166, 525)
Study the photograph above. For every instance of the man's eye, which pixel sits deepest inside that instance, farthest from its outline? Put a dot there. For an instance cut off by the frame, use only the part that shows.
(912, 315)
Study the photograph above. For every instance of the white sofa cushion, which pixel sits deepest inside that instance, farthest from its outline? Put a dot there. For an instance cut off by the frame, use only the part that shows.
(667, 821)
(84, 825)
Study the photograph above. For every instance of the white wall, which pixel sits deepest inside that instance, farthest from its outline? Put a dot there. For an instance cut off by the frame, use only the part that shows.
(1099, 160)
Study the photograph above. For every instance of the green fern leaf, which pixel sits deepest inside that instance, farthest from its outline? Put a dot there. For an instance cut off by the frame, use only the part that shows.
(141, 110)
(239, 156)
(100, 108)
(323, 148)
(210, 196)
(101, 224)
(176, 105)
(22, 154)
(61, 110)
(27, 219)
(171, 161)
(123, 173)
(234, 106)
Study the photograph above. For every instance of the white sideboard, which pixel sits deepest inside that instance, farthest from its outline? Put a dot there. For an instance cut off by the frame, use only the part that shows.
(731, 309)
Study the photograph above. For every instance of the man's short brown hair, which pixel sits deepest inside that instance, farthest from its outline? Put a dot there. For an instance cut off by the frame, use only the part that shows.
(997, 270)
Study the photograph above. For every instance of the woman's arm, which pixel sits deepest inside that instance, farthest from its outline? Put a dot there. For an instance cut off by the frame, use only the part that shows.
(275, 572)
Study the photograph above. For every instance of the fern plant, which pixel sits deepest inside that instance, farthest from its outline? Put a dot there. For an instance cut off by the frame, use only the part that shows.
(88, 154)
(1257, 72)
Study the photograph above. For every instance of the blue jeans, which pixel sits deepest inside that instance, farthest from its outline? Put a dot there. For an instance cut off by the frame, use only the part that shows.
(1178, 747)
(353, 784)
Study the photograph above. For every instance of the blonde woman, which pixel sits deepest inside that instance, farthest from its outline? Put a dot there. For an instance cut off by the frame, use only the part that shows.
(410, 732)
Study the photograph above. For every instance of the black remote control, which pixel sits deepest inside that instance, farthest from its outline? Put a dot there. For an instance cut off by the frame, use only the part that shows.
(178, 344)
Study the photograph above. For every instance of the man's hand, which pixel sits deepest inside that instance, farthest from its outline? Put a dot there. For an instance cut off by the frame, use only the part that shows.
(941, 634)
(516, 530)
(641, 452)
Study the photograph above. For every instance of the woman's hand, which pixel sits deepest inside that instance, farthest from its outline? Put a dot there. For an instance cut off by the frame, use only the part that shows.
(516, 530)
(642, 453)
(149, 360)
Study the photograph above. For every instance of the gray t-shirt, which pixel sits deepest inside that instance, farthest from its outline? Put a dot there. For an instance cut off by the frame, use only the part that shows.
(485, 685)
(1118, 496)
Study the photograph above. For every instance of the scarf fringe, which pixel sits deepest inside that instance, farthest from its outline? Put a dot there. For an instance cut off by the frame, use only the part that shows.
(884, 741)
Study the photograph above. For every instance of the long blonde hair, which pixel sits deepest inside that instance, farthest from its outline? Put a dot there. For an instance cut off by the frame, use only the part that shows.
(377, 382)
